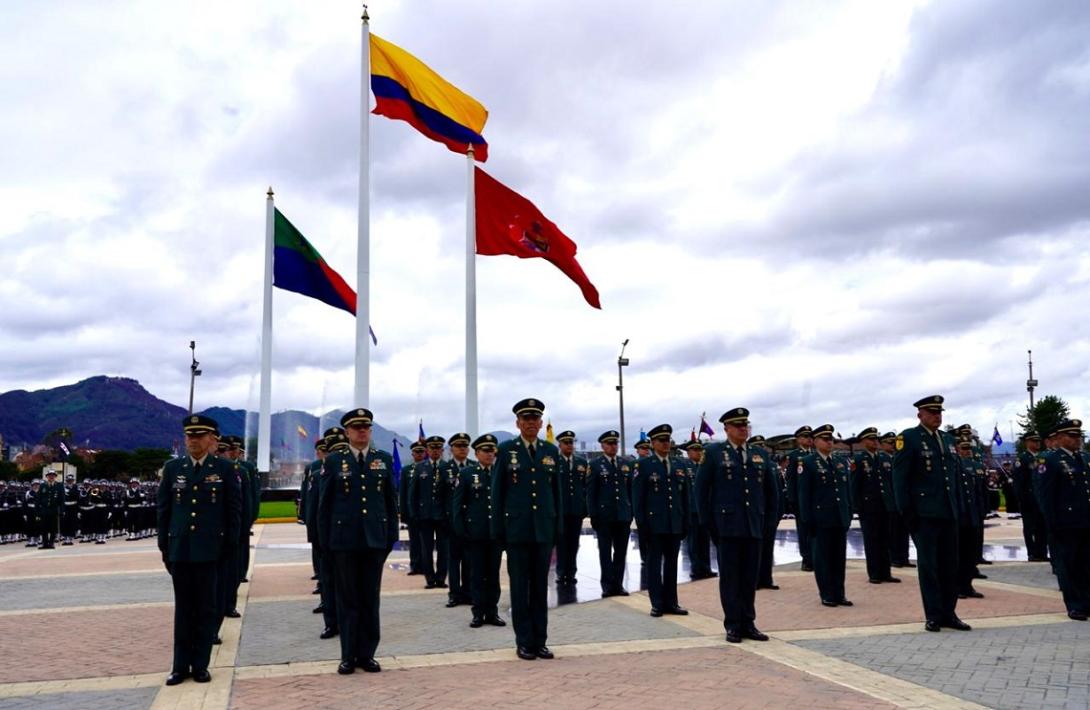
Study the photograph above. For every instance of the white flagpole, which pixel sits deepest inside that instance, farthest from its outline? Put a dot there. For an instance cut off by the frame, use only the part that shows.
(472, 418)
(264, 417)
(363, 228)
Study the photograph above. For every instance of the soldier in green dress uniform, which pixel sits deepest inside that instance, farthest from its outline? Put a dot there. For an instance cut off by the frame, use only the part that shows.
(430, 509)
(660, 505)
(253, 482)
(898, 533)
(972, 507)
(526, 511)
(1034, 530)
(734, 486)
(198, 510)
(335, 441)
(310, 483)
(804, 438)
(610, 509)
(925, 469)
(472, 521)
(419, 452)
(1062, 487)
(573, 472)
(50, 501)
(357, 523)
(872, 491)
(697, 543)
(450, 472)
(825, 504)
(768, 537)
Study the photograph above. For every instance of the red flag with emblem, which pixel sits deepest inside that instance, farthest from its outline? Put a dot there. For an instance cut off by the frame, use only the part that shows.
(508, 223)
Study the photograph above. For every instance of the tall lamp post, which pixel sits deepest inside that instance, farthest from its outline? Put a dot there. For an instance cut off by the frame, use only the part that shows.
(1030, 383)
(622, 361)
(194, 372)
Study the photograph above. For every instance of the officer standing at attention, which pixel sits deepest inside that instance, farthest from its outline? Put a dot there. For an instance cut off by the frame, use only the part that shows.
(872, 490)
(526, 514)
(804, 437)
(768, 539)
(1034, 531)
(198, 510)
(660, 505)
(50, 502)
(450, 472)
(925, 470)
(418, 451)
(971, 511)
(357, 523)
(1062, 488)
(70, 515)
(825, 504)
(472, 522)
(697, 542)
(610, 510)
(252, 479)
(734, 486)
(431, 510)
(335, 441)
(573, 486)
(898, 533)
(308, 487)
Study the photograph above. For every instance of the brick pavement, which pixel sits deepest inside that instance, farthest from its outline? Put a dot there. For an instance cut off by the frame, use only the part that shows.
(103, 563)
(45, 592)
(131, 699)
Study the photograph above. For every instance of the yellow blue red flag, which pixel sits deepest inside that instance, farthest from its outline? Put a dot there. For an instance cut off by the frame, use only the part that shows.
(407, 89)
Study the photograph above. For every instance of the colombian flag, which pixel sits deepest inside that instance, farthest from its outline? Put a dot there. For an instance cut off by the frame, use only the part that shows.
(407, 89)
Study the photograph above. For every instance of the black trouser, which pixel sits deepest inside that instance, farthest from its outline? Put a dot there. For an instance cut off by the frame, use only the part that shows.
(1013, 504)
(528, 570)
(244, 553)
(876, 543)
(315, 555)
(662, 552)
(358, 576)
(327, 587)
(484, 579)
(196, 614)
(830, 555)
(967, 556)
(697, 543)
(898, 539)
(69, 521)
(1071, 552)
(806, 544)
(50, 522)
(568, 547)
(433, 534)
(739, 560)
(414, 545)
(227, 581)
(612, 551)
(1033, 530)
(937, 566)
(459, 568)
(132, 520)
(768, 544)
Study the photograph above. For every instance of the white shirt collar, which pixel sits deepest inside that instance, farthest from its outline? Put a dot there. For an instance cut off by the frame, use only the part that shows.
(356, 452)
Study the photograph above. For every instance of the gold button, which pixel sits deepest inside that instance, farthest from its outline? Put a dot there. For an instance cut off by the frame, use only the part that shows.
(534, 507)
(533, 495)
(365, 511)
(364, 499)
(193, 514)
(194, 488)
(192, 527)
(194, 500)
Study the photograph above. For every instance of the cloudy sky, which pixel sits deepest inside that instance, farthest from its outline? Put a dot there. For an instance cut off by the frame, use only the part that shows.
(819, 211)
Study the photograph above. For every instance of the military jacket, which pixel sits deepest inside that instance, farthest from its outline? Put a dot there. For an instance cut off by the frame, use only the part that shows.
(609, 491)
(357, 505)
(403, 486)
(925, 469)
(824, 491)
(691, 467)
(51, 497)
(791, 478)
(736, 498)
(472, 503)
(1022, 479)
(310, 501)
(428, 493)
(1062, 486)
(573, 485)
(872, 484)
(304, 484)
(970, 502)
(885, 462)
(246, 487)
(660, 496)
(449, 473)
(199, 512)
(254, 489)
(775, 504)
(526, 498)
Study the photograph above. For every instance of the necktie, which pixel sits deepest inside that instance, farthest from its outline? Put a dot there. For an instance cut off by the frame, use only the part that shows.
(742, 453)
(359, 458)
(533, 451)
(197, 469)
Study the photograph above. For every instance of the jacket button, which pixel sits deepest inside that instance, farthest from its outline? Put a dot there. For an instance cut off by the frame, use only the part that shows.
(193, 514)
(534, 507)
(192, 527)
(193, 501)
(365, 511)
(194, 488)
(533, 495)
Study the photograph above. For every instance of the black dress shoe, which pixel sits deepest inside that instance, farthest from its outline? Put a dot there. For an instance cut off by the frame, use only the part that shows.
(544, 652)
(370, 665)
(217, 641)
(734, 636)
(526, 654)
(608, 593)
(807, 568)
(956, 623)
(412, 573)
(346, 668)
(1076, 616)
(711, 574)
(202, 676)
(768, 586)
(897, 564)
(244, 580)
(441, 585)
(656, 612)
(875, 581)
(909, 564)
(620, 592)
(984, 562)
(826, 602)
(476, 623)
(973, 594)
(430, 585)
(495, 621)
(316, 591)
(176, 678)
(318, 609)
(753, 633)
(327, 633)
(451, 603)
(233, 614)
(933, 626)
(892, 580)
(314, 578)
(844, 602)
(676, 611)
(978, 575)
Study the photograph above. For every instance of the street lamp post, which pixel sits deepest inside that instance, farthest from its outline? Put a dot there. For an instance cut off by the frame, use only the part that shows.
(194, 373)
(622, 361)
(1030, 383)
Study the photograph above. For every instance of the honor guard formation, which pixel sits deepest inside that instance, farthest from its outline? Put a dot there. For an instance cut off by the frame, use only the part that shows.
(525, 499)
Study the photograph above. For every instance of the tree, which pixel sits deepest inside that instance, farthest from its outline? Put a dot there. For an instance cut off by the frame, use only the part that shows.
(9, 471)
(147, 462)
(110, 464)
(1044, 415)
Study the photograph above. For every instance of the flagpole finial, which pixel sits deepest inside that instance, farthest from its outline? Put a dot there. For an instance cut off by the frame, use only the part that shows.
(270, 192)
(366, 18)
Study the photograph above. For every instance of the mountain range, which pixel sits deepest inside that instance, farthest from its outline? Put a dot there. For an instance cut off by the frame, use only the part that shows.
(118, 413)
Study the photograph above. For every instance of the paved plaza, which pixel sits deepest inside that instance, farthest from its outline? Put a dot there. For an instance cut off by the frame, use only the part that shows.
(91, 628)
